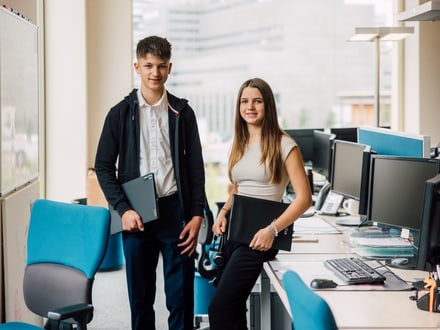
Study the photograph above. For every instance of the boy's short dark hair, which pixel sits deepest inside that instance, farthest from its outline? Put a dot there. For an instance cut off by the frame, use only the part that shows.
(154, 45)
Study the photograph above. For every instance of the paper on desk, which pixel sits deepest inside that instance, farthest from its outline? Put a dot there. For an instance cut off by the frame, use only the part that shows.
(382, 247)
(381, 241)
(314, 225)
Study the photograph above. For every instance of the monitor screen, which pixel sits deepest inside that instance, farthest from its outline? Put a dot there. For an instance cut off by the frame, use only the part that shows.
(350, 171)
(322, 152)
(428, 254)
(395, 143)
(304, 138)
(396, 190)
(345, 133)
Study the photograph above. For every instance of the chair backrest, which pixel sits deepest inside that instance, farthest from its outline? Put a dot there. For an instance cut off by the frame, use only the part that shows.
(309, 310)
(66, 244)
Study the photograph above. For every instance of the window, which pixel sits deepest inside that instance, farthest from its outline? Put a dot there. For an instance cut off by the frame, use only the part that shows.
(299, 47)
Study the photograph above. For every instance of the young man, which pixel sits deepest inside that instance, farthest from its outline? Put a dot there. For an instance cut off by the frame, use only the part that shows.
(151, 130)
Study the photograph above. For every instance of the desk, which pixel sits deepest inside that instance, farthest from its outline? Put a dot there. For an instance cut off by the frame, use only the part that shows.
(352, 309)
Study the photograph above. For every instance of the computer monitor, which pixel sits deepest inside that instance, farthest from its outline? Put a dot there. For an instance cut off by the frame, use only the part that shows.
(345, 133)
(322, 153)
(304, 138)
(428, 252)
(395, 143)
(396, 192)
(350, 171)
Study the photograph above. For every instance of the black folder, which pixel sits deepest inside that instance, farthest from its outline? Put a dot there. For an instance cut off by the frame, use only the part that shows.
(141, 194)
(249, 214)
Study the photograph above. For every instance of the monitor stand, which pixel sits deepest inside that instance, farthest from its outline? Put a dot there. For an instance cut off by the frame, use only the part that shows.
(353, 220)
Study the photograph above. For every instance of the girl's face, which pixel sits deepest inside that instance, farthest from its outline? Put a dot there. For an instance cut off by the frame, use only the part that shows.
(252, 106)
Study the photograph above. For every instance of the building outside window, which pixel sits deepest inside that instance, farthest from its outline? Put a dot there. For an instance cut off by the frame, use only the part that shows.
(299, 47)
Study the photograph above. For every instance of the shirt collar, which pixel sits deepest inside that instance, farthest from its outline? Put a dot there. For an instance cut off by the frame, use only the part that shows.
(161, 104)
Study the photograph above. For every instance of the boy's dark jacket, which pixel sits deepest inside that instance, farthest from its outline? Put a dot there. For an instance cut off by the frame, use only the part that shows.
(120, 138)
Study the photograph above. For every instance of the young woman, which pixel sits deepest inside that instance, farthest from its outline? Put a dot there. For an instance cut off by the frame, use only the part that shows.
(262, 161)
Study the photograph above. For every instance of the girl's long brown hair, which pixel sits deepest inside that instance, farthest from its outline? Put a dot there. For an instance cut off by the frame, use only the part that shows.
(271, 133)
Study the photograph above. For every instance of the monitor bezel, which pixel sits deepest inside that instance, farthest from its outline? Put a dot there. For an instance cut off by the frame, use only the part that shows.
(429, 228)
(373, 159)
(342, 133)
(329, 139)
(296, 134)
(365, 171)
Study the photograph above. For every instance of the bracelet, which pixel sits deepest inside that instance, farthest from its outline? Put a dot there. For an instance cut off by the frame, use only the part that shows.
(273, 229)
(225, 209)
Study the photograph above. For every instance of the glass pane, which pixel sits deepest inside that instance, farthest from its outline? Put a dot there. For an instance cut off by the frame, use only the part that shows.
(299, 47)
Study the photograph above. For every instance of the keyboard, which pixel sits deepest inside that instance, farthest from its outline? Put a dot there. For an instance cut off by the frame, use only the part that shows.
(354, 271)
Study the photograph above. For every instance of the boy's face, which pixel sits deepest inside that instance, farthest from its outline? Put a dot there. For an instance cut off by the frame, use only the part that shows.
(153, 71)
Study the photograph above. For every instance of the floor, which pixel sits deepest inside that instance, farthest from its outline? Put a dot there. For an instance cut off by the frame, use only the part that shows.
(110, 299)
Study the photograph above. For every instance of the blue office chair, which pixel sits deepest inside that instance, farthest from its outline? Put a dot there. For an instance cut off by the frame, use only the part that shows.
(309, 310)
(65, 247)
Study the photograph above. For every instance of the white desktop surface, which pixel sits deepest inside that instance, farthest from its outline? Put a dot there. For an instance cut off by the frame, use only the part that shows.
(320, 244)
(352, 309)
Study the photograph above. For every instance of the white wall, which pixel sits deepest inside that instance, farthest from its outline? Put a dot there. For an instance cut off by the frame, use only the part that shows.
(109, 62)
(88, 69)
(429, 87)
(421, 85)
(66, 92)
(27, 8)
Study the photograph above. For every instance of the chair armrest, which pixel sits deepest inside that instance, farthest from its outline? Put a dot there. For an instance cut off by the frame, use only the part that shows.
(81, 313)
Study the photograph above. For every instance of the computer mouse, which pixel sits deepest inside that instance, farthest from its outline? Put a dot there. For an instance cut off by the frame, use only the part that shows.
(399, 261)
(322, 283)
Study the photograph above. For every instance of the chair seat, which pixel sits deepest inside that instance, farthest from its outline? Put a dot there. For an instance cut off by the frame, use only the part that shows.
(18, 326)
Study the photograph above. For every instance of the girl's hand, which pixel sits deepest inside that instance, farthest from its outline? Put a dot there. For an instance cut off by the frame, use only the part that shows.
(219, 226)
(262, 240)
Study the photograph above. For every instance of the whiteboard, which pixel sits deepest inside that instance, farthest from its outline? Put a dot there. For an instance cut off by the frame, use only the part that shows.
(19, 101)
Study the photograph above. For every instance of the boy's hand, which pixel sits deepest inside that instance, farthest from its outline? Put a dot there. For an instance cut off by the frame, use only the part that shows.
(131, 221)
(190, 234)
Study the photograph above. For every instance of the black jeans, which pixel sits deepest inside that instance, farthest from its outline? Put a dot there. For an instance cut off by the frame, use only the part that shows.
(227, 309)
(141, 252)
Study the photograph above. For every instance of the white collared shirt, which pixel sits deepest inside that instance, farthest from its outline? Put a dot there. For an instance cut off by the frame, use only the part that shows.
(155, 152)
